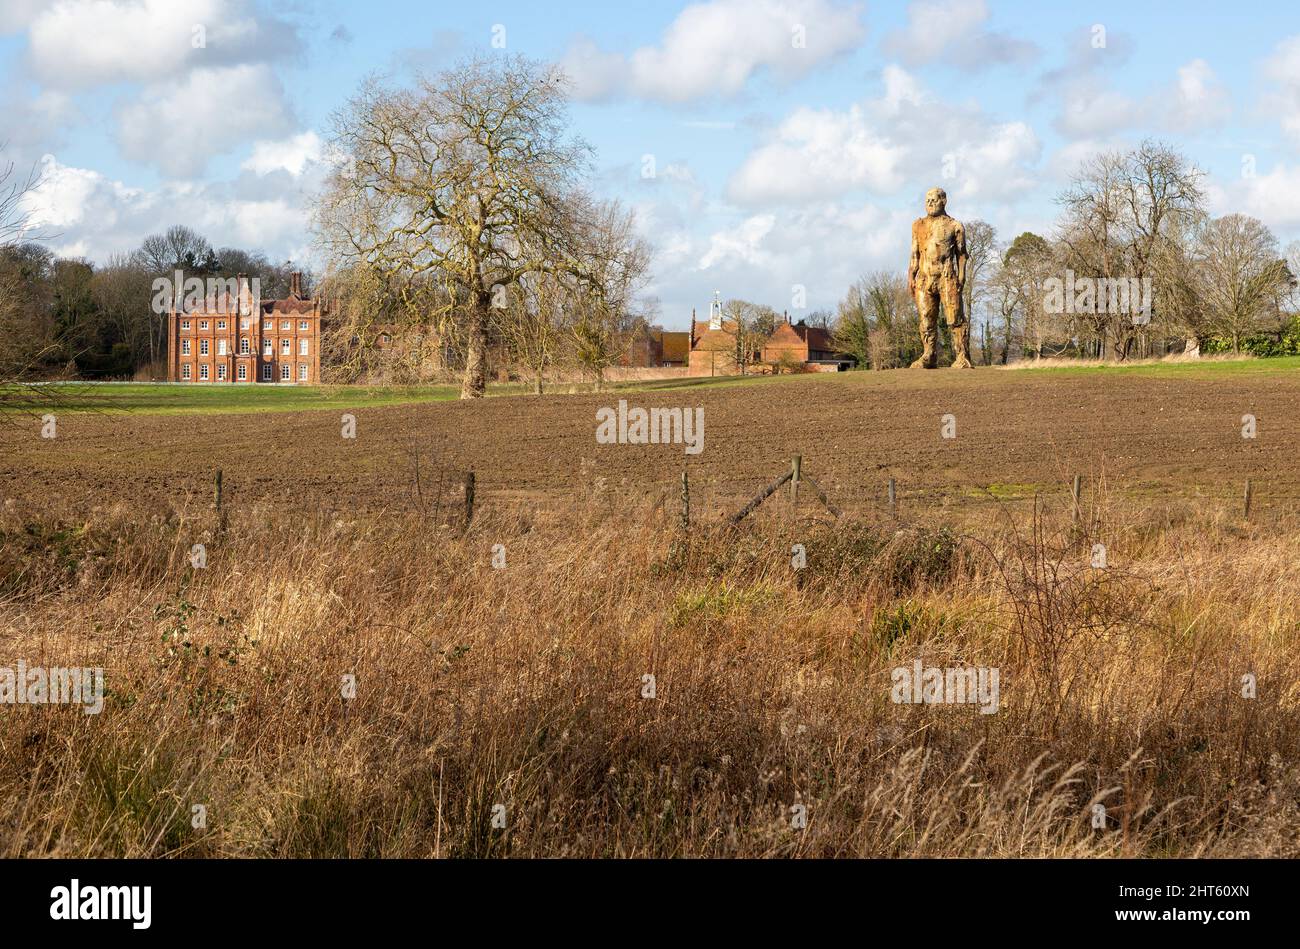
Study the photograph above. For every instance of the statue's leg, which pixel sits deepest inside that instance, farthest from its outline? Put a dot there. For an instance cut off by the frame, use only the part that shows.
(927, 311)
(958, 324)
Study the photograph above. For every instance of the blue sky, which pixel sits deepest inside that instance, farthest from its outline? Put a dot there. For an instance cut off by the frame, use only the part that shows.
(777, 163)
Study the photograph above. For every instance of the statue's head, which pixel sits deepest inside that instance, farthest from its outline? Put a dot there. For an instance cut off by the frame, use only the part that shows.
(936, 199)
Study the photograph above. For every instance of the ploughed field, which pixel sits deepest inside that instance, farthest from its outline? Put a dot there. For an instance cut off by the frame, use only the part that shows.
(1145, 433)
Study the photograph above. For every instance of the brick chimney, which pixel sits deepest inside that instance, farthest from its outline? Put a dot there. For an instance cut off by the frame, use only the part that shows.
(295, 284)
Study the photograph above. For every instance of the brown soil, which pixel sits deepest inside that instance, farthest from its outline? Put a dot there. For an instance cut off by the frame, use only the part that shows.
(1016, 433)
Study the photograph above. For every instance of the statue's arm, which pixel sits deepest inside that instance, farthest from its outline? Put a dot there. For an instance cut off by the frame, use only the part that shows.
(961, 256)
(913, 263)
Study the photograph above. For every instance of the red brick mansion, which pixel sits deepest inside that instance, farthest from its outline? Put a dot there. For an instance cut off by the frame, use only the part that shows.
(237, 338)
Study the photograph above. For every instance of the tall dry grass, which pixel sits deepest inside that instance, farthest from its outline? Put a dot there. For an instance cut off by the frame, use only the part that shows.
(522, 687)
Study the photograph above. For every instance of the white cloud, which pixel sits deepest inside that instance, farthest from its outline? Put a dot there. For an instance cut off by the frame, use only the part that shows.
(742, 244)
(953, 31)
(292, 154)
(178, 126)
(1089, 107)
(1197, 98)
(1273, 197)
(1283, 68)
(823, 247)
(88, 214)
(819, 153)
(17, 15)
(902, 137)
(716, 47)
(81, 43)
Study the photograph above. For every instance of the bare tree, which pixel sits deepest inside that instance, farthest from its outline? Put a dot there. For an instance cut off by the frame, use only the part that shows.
(1119, 211)
(981, 257)
(533, 324)
(26, 331)
(466, 179)
(1018, 293)
(609, 268)
(1241, 278)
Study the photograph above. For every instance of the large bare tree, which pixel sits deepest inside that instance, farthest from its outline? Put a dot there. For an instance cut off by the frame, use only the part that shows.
(1120, 209)
(1241, 278)
(466, 179)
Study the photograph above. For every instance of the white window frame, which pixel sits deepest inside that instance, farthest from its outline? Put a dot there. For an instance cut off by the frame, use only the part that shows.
(286, 346)
(203, 324)
(221, 373)
(203, 373)
(302, 347)
(303, 326)
(243, 324)
(186, 372)
(302, 372)
(221, 347)
(266, 372)
(221, 324)
(285, 373)
(185, 347)
(267, 326)
(203, 347)
(241, 373)
(185, 324)
(243, 346)
(268, 347)
(286, 325)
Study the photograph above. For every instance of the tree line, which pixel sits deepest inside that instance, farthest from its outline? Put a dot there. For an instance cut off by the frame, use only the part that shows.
(1130, 220)
(65, 316)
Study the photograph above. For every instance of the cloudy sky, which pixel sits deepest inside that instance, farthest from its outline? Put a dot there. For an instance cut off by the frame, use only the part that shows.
(764, 143)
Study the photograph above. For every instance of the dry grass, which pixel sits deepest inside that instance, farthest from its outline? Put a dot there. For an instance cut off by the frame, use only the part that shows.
(523, 686)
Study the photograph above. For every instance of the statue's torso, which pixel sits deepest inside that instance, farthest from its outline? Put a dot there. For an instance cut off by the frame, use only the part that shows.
(937, 239)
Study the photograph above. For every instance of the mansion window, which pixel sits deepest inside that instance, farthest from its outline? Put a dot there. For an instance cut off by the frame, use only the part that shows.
(302, 347)
(286, 325)
(203, 347)
(203, 373)
(302, 326)
(185, 347)
(185, 371)
(267, 349)
(203, 324)
(284, 372)
(221, 373)
(266, 326)
(286, 346)
(243, 346)
(221, 324)
(242, 372)
(266, 372)
(221, 347)
(302, 372)
(185, 324)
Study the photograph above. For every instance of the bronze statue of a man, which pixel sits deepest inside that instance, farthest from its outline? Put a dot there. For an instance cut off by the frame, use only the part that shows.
(937, 273)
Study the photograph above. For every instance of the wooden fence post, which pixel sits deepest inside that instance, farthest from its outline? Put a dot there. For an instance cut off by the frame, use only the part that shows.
(1075, 491)
(469, 497)
(217, 493)
(796, 464)
(686, 503)
(1247, 497)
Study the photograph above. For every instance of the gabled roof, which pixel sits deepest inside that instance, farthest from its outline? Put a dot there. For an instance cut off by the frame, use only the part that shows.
(676, 346)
